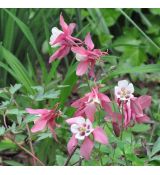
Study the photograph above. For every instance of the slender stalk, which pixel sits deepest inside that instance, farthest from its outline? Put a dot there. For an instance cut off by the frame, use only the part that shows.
(27, 151)
(29, 135)
(70, 156)
(30, 143)
(87, 80)
(79, 162)
(140, 30)
(121, 137)
(4, 120)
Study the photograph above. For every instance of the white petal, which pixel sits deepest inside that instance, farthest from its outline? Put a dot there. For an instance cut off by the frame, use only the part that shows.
(130, 87)
(88, 133)
(123, 83)
(80, 57)
(74, 128)
(55, 33)
(88, 122)
(79, 137)
(80, 120)
(116, 90)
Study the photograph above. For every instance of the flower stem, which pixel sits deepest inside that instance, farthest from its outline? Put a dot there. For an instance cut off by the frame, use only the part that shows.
(27, 151)
(70, 156)
(30, 144)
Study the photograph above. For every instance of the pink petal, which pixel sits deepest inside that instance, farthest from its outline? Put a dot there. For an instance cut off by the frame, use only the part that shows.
(82, 68)
(63, 24)
(86, 148)
(116, 128)
(71, 27)
(135, 106)
(104, 97)
(72, 144)
(91, 72)
(79, 102)
(142, 119)
(90, 110)
(100, 136)
(107, 107)
(145, 101)
(39, 125)
(60, 53)
(79, 50)
(37, 111)
(89, 42)
(51, 126)
(73, 120)
(58, 39)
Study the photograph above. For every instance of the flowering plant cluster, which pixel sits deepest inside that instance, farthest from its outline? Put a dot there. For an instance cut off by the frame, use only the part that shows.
(85, 128)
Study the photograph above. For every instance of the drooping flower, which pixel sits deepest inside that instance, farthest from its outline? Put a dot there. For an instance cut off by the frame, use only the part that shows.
(82, 129)
(63, 39)
(86, 106)
(123, 94)
(46, 119)
(87, 57)
(130, 107)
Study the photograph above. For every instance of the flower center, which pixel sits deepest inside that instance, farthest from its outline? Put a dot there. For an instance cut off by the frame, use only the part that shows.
(124, 93)
(84, 129)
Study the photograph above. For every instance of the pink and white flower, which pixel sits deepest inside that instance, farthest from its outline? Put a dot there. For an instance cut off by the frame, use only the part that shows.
(46, 118)
(63, 39)
(82, 129)
(124, 90)
(87, 57)
(130, 107)
(86, 106)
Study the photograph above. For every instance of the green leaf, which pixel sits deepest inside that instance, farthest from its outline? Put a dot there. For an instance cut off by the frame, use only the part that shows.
(110, 16)
(156, 147)
(157, 158)
(7, 144)
(60, 160)
(155, 11)
(12, 163)
(139, 29)
(137, 69)
(70, 80)
(2, 130)
(44, 136)
(140, 128)
(15, 88)
(19, 71)
(27, 32)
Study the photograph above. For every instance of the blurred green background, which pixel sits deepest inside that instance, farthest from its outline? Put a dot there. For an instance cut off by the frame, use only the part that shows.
(132, 37)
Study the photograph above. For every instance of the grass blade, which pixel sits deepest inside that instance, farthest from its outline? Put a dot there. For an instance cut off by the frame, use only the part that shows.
(16, 67)
(24, 28)
(140, 30)
(138, 69)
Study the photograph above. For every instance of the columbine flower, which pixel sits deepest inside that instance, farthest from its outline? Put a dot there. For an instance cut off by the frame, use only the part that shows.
(87, 57)
(124, 90)
(46, 118)
(82, 129)
(132, 113)
(63, 39)
(86, 106)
